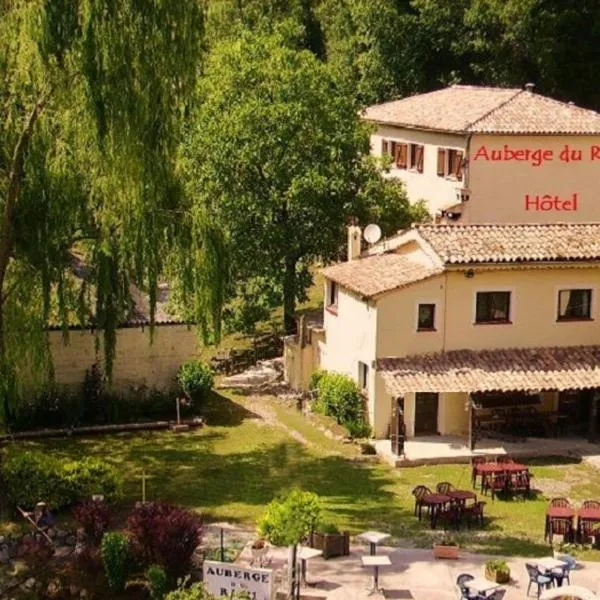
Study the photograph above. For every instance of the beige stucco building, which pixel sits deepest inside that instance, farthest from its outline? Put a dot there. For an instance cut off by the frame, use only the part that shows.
(492, 155)
(450, 322)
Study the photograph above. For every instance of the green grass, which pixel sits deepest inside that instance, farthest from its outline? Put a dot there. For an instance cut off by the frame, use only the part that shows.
(230, 469)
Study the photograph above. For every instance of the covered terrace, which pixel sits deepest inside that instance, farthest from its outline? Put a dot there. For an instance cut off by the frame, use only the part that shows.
(491, 400)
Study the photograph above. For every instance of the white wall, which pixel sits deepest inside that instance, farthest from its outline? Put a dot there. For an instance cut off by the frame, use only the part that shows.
(439, 192)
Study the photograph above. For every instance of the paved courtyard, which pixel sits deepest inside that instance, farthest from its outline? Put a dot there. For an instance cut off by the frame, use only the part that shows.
(414, 575)
(441, 449)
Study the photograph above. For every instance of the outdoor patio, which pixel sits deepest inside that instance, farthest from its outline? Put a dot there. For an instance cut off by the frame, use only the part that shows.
(438, 449)
(413, 575)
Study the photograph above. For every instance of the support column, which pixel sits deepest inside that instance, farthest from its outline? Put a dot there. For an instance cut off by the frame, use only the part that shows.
(592, 433)
(471, 424)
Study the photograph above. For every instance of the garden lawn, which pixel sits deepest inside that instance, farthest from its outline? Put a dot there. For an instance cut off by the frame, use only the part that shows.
(252, 450)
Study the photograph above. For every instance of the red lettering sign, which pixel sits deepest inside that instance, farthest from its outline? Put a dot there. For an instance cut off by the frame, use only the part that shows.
(547, 202)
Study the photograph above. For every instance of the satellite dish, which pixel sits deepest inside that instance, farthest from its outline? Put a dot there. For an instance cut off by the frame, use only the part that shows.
(372, 233)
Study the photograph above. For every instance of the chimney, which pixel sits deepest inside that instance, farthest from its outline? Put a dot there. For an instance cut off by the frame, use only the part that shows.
(354, 235)
(529, 87)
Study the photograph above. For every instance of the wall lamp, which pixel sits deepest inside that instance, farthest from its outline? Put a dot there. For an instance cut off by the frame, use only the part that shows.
(470, 274)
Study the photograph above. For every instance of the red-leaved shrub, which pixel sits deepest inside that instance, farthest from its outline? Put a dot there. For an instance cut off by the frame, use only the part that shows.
(165, 535)
(95, 517)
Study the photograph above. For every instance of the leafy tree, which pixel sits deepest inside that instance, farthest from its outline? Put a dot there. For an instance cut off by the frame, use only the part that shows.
(287, 520)
(276, 156)
(93, 94)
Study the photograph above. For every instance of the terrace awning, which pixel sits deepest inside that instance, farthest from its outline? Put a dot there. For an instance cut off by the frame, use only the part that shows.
(505, 370)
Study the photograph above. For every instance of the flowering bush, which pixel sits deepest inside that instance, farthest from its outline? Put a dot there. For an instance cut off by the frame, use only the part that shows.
(164, 535)
(95, 517)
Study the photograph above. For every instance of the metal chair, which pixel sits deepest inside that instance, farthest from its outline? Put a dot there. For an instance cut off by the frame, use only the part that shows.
(465, 594)
(542, 581)
(505, 459)
(590, 504)
(561, 574)
(418, 493)
(444, 487)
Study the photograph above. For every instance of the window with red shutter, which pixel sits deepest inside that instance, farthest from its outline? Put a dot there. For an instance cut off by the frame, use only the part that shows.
(420, 158)
(384, 147)
(401, 155)
(458, 159)
(441, 162)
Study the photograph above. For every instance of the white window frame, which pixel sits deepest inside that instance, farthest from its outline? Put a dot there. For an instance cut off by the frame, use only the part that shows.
(512, 316)
(412, 167)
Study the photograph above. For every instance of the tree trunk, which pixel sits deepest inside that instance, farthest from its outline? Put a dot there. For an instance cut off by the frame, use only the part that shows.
(292, 591)
(289, 296)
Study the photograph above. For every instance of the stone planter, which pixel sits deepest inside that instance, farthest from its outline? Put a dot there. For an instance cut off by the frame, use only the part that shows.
(258, 554)
(332, 544)
(441, 551)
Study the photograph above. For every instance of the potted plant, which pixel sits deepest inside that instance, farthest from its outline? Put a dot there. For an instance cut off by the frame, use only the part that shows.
(258, 549)
(447, 547)
(497, 571)
(328, 538)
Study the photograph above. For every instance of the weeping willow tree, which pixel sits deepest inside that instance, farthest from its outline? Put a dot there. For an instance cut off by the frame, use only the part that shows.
(92, 99)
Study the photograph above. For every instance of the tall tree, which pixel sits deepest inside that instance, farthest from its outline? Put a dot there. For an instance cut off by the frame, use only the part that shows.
(93, 94)
(276, 155)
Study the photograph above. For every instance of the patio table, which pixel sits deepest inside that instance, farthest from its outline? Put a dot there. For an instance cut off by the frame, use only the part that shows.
(374, 538)
(461, 496)
(487, 469)
(375, 562)
(481, 586)
(435, 501)
(305, 553)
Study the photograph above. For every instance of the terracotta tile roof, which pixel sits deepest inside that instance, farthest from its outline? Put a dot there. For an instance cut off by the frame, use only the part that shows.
(474, 109)
(515, 369)
(490, 243)
(375, 275)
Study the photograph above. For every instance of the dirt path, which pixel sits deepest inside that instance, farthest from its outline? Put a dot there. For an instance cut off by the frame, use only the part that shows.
(259, 405)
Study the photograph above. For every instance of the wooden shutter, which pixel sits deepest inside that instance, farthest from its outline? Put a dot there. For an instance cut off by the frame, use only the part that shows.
(458, 166)
(401, 155)
(384, 147)
(419, 157)
(441, 162)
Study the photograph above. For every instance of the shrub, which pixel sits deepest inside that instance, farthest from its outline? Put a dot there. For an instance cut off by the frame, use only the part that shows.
(358, 429)
(164, 535)
(95, 517)
(315, 378)
(286, 521)
(31, 477)
(328, 528)
(50, 407)
(85, 569)
(196, 379)
(157, 582)
(339, 397)
(116, 559)
(198, 592)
